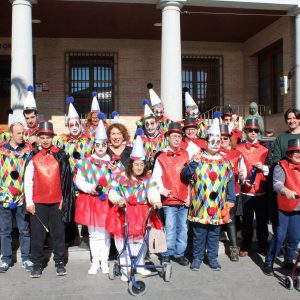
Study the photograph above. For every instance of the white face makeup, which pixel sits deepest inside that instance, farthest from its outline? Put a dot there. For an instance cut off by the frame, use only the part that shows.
(74, 127)
(158, 111)
(151, 126)
(213, 144)
(193, 113)
(100, 148)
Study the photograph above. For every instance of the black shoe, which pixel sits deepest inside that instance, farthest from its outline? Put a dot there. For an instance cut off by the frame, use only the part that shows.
(60, 269)
(36, 271)
(287, 265)
(183, 261)
(268, 269)
(165, 259)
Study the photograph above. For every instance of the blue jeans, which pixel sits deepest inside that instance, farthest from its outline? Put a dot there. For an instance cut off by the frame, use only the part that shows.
(205, 237)
(289, 227)
(176, 229)
(6, 227)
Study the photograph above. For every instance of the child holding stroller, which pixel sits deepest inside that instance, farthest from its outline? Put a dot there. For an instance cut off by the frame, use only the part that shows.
(138, 192)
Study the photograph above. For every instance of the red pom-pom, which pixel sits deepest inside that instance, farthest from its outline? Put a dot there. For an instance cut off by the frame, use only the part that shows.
(132, 200)
(14, 191)
(213, 176)
(211, 211)
(103, 181)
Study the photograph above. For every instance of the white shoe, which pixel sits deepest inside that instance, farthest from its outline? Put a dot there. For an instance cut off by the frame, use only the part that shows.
(124, 278)
(105, 268)
(93, 270)
(143, 271)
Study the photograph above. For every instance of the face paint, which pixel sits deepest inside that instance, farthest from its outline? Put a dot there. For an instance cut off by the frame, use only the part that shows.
(151, 126)
(193, 114)
(213, 144)
(74, 127)
(158, 111)
(100, 148)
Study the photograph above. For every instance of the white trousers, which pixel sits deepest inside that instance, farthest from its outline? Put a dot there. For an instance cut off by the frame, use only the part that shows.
(125, 259)
(99, 244)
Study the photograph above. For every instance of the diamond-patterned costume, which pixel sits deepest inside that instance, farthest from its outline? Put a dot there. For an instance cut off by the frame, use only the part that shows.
(208, 193)
(12, 167)
(92, 210)
(30, 132)
(76, 148)
(164, 124)
(135, 192)
(4, 137)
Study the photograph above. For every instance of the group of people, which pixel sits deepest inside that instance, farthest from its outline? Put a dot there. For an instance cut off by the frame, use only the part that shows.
(202, 178)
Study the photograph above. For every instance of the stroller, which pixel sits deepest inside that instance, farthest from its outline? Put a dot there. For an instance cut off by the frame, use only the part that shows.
(293, 281)
(137, 287)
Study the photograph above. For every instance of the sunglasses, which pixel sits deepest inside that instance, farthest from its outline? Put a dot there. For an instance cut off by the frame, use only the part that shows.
(224, 138)
(253, 130)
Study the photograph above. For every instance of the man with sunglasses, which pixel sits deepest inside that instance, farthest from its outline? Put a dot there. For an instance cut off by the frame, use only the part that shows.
(254, 188)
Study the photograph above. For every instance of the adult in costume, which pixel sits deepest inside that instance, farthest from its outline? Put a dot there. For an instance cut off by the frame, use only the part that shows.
(235, 157)
(13, 158)
(254, 188)
(94, 176)
(138, 191)
(213, 194)
(286, 183)
(175, 193)
(232, 123)
(49, 199)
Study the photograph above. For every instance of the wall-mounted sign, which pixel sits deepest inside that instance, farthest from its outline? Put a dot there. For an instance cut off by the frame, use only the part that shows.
(38, 87)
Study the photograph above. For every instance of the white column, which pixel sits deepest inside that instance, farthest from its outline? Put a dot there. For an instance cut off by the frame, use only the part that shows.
(297, 58)
(21, 54)
(171, 89)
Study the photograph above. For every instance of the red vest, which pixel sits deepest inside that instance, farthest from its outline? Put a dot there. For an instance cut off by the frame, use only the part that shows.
(234, 156)
(252, 156)
(199, 142)
(292, 182)
(46, 179)
(171, 168)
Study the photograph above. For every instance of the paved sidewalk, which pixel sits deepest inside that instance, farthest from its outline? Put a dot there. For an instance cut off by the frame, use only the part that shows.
(242, 280)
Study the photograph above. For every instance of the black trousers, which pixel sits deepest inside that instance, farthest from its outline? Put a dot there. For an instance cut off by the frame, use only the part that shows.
(257, 205)
(51, 216)
(230, 228)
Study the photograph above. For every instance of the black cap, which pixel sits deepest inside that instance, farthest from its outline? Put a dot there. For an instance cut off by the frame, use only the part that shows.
(224, 130)
(293, 145)
(251, 124)
(174, 127)
(46, 127)
(188, 123)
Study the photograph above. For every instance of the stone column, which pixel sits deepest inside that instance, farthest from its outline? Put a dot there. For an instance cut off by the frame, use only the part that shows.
(297, 58)
(21, 54)
(171, 86)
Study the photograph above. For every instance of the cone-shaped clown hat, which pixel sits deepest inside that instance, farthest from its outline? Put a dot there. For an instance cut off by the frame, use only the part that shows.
(214, 129)
(95, 104)
(115, 116)
(29, 102)
(189, 100)
(101, 132)
(72, 114)
(138, 151)
(153, 96)
(147, 110)
(12, 120)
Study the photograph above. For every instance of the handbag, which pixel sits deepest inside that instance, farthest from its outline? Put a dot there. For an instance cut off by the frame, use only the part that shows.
(157, 242)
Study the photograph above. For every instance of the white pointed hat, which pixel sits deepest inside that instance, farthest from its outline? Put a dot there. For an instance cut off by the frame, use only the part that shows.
(100, 131)
(115, 117)
(153, 96)
(189, 101)
(29, 102)
(12, 120)
(138, 151)
(147, 110)
(72, 113)
(95, 104)
(214, 129)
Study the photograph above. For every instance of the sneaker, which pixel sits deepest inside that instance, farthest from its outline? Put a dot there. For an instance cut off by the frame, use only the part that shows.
(268, 269)
(183, 261)
(143, 271)
(93, 270)
(234, 254)
(60, 269)
(28, 265)
(214, 265)
(195, 265)
(36, 271)
(4, 267)
(104, 268)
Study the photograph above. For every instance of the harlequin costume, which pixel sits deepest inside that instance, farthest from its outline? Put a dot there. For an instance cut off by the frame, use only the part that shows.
(253, 197)
(4, 137)
(286, 176)
(212, 187)
(48, 186)
(140, 193)
(12, 168)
